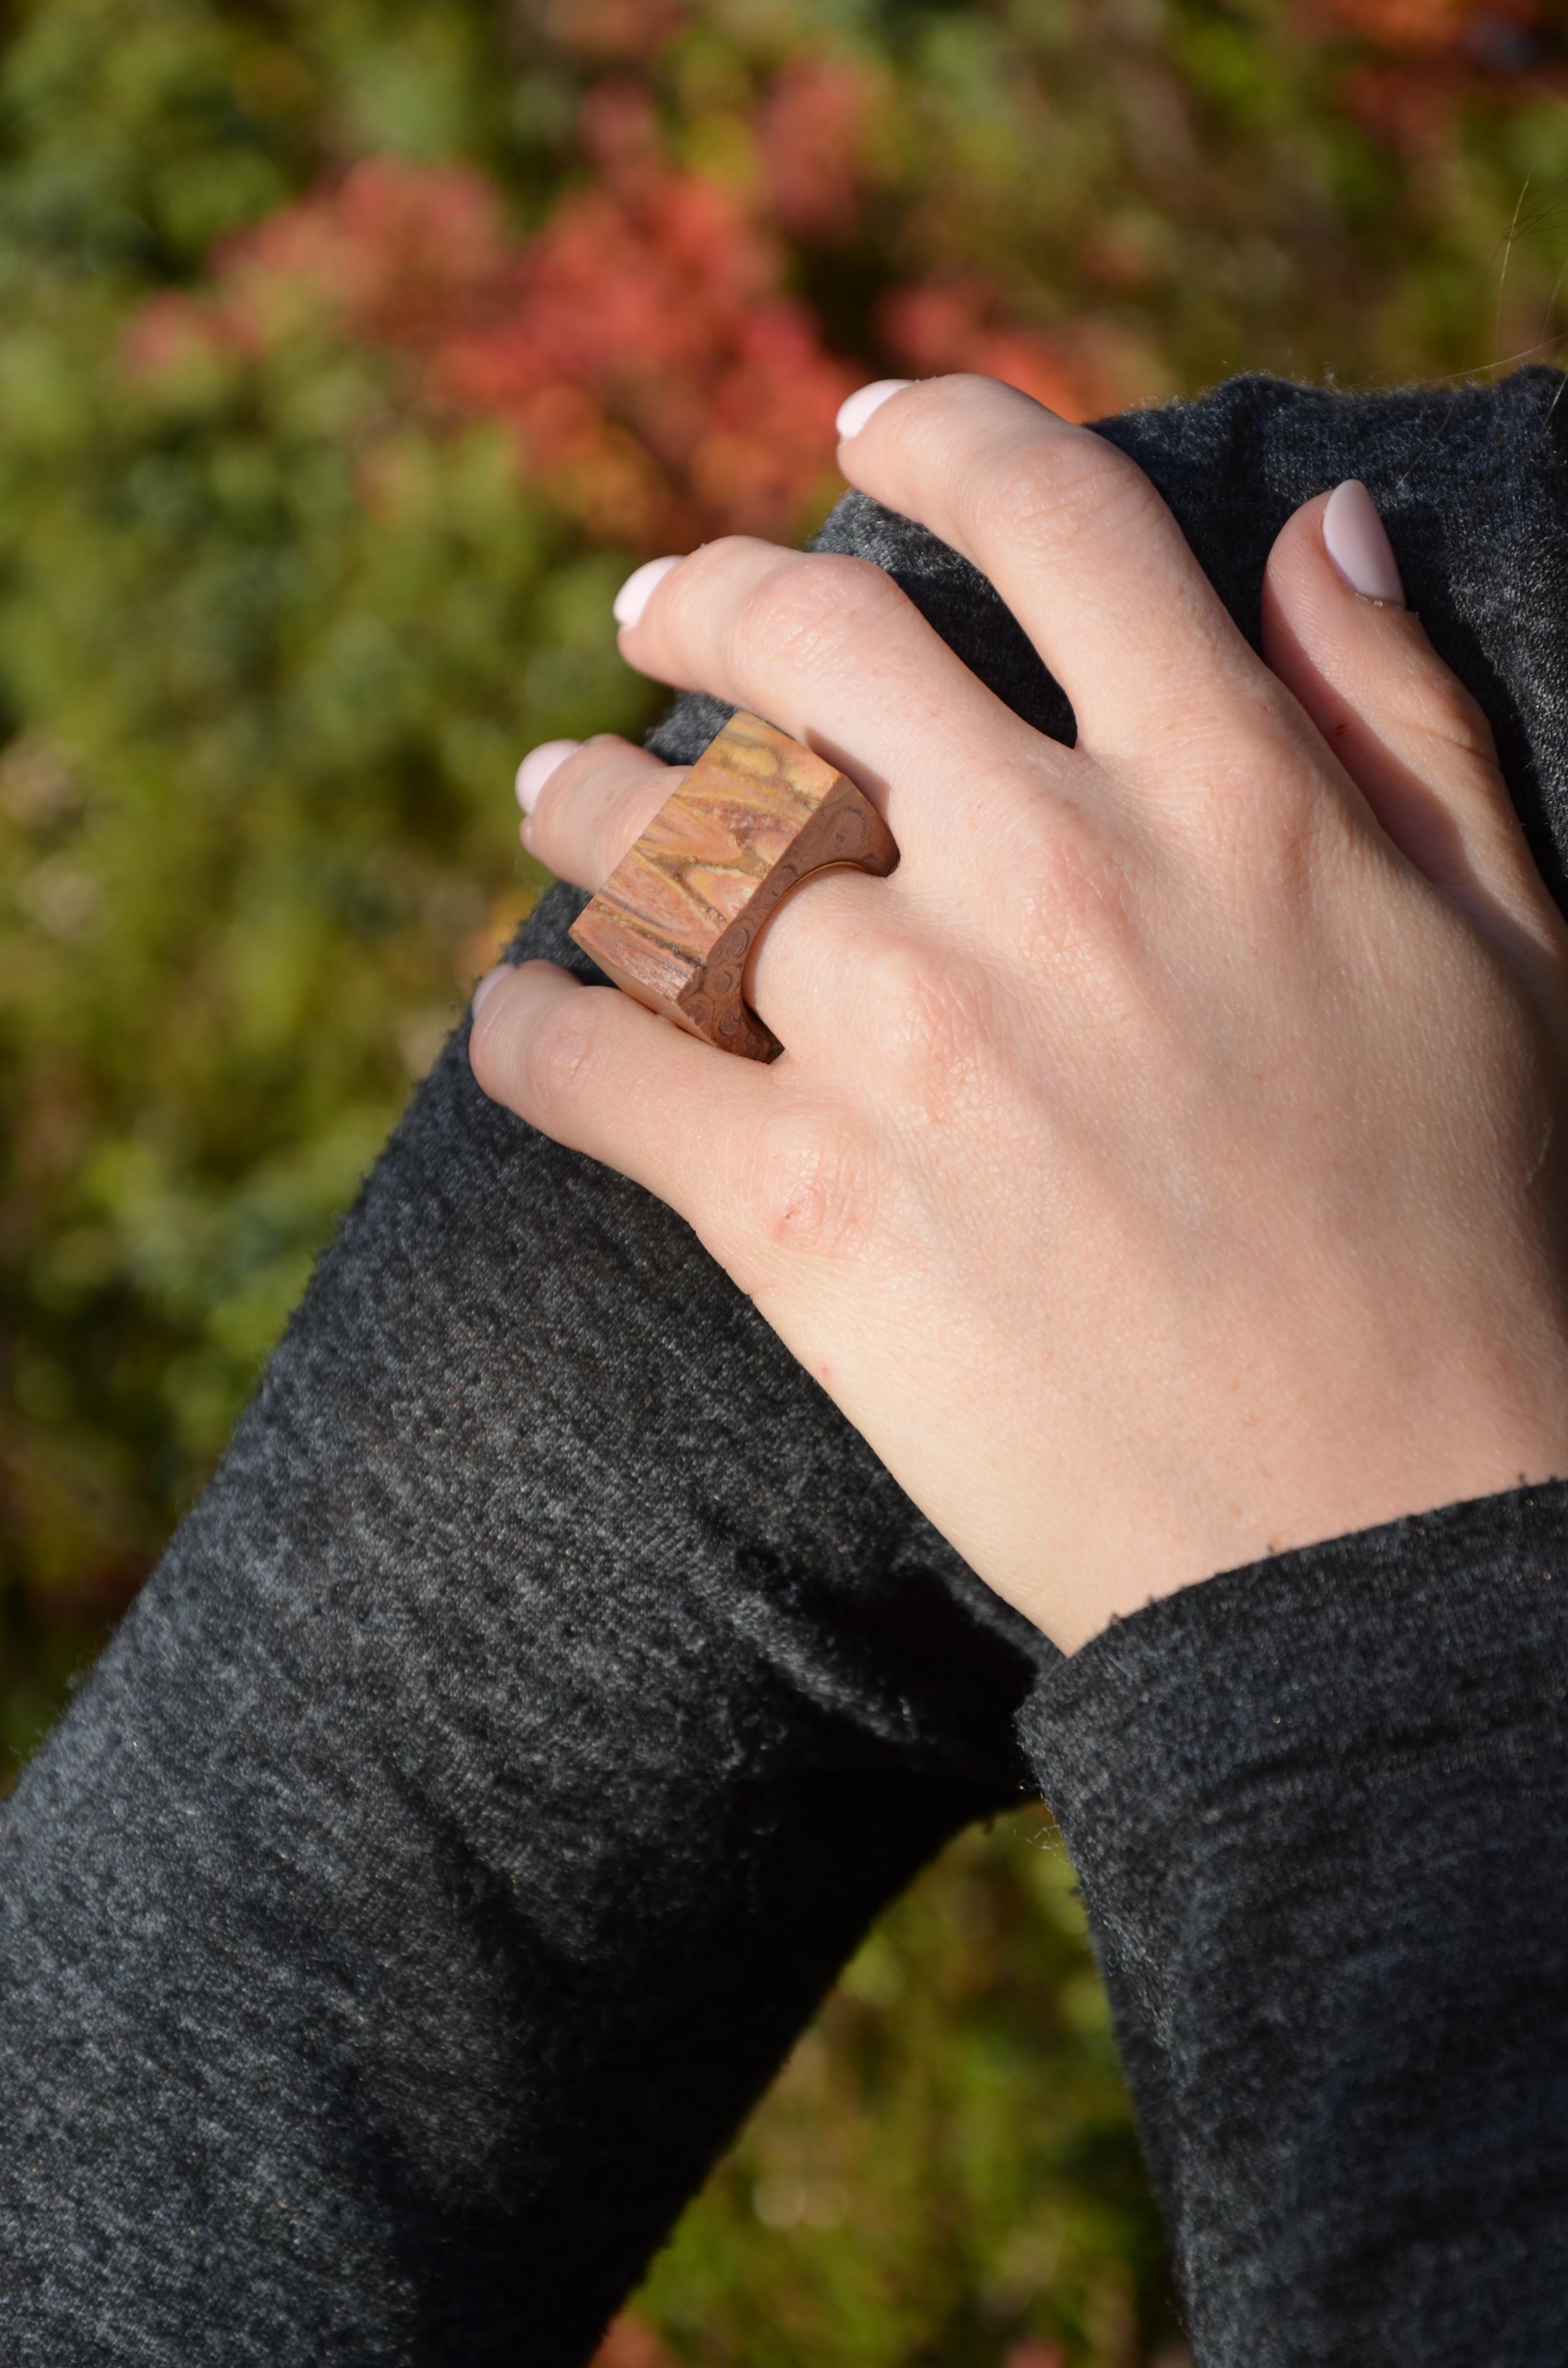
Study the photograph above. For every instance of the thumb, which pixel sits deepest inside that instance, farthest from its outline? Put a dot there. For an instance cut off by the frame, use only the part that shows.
(1337, 633)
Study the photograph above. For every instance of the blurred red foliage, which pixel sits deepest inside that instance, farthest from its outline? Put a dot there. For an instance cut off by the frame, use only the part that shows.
(1420, 58)
(621, 30)
(647, 355)
(815, 130)
(394, 255)
(643, 349)
(640, 347)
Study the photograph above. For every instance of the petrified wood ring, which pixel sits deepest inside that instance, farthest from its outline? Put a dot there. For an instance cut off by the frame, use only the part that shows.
(677, 917)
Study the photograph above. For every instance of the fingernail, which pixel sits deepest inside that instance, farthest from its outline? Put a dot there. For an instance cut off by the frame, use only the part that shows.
(537, 768)
(1356, 540)
(856, 408)
(634, 594)
(488, 985)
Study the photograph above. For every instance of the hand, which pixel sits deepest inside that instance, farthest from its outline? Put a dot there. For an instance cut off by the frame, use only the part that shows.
(1164, 1166)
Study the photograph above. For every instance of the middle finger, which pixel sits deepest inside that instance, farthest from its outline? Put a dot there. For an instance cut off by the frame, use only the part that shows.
(832, 652)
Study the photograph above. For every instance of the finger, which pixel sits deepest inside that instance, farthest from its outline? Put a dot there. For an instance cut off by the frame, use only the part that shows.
(584, 811)
(590, 1067)
(1075, 539)
(829, 649)
(1337, 633)
(809, 963)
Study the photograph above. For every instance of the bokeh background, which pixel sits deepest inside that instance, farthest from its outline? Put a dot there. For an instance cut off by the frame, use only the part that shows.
(350, 353)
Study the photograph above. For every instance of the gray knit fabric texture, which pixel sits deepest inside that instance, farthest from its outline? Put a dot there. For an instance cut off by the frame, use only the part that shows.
(1319, 1810)
(550, 1686)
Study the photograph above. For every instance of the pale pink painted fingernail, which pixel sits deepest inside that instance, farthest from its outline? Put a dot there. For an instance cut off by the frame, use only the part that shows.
(537, 768)
(1356, 540)
(856, 408)
(636, 590)
(488, 985)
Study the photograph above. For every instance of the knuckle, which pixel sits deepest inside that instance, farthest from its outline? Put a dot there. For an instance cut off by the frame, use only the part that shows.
(931, 1017)
(1263, 845)
(809, 1186)
(811, 600)
(559, 1057)
(1079, 898)
(1065, 484)
(1250, 784)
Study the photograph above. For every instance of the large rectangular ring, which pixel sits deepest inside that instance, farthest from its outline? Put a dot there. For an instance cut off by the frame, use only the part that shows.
(677, 919)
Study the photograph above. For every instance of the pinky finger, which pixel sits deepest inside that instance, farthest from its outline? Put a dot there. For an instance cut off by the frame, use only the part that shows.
(594, 1070)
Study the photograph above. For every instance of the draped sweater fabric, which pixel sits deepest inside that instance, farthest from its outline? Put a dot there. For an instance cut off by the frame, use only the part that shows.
(550, 1686)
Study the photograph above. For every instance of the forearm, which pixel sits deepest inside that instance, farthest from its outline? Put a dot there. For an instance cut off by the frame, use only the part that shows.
(516, 1737)
(1319, 1811)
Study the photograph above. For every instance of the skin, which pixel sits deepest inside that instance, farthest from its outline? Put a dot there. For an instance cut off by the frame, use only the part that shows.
(1165, 1168)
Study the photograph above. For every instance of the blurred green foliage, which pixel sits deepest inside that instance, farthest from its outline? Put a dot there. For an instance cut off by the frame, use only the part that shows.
(946, 2171)
(314, 487)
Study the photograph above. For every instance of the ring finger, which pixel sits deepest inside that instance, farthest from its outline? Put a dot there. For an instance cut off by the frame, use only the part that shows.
(589, 802)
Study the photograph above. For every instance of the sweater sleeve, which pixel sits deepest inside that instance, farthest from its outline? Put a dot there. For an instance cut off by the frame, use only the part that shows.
(542, 1698)
(1319, 1809)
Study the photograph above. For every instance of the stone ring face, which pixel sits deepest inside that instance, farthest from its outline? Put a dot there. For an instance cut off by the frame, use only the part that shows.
(677, 919)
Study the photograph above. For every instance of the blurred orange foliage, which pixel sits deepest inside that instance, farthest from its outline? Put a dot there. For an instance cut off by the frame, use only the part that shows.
(1421, 59)
(953, 325)
(632, 2343)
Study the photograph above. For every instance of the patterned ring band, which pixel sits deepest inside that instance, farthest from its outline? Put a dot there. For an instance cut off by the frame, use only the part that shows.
(677, 917)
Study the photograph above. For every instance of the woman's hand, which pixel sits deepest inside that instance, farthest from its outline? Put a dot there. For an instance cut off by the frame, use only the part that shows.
(1165, 1163)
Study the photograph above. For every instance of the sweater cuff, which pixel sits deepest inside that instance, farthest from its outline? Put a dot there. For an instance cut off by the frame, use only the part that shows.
(1319, 1807)
(1319, 1647)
